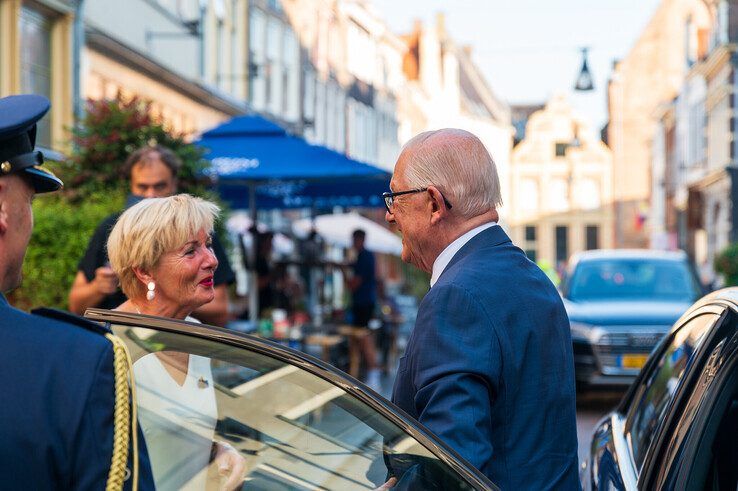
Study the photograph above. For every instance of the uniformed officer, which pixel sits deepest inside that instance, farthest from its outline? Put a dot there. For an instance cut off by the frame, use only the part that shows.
(61, 424)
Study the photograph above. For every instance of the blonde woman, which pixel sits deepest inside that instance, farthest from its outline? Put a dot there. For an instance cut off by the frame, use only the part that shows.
(160, 249)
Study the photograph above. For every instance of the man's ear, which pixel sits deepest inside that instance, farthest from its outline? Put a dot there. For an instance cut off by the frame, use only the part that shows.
(437, 203)
(4, 204)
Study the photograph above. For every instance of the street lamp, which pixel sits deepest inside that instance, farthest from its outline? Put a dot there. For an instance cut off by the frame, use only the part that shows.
(584, 80)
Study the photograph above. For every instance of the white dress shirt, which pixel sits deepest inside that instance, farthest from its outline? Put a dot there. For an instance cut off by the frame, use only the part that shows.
(439, 265)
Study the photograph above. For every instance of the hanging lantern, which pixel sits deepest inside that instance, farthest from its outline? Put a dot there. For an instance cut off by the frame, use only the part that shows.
(584, 80)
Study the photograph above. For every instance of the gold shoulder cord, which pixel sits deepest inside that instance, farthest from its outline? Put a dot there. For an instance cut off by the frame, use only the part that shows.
(124, 417)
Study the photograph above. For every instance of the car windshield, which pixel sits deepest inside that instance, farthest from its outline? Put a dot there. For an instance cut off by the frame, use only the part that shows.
(629, 279)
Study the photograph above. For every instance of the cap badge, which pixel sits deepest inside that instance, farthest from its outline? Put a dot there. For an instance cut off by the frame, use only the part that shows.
(5, 167)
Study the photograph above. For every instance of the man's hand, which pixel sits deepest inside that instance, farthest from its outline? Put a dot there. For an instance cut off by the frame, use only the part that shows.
(388, 485)
(230, 464)
(105, 281)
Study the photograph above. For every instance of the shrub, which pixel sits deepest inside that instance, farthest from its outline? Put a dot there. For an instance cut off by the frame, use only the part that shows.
(726, 263)
(60, 235)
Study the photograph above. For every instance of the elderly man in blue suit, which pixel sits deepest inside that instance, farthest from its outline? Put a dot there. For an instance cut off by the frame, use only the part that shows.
(488, 367)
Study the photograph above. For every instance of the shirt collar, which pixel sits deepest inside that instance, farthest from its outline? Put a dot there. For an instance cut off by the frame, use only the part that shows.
(3, 300)
(439, 265)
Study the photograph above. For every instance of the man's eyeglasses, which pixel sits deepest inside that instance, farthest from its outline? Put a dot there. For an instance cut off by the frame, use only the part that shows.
(389, 198)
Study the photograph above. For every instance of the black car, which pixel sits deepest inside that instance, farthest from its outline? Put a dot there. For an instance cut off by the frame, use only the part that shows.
(297, 422)
(677, 426)
(620, 304)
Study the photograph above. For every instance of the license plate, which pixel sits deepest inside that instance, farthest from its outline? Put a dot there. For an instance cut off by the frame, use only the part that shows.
(633, 361)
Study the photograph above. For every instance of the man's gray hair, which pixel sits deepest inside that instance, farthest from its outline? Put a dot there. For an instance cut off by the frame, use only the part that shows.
(459, 165)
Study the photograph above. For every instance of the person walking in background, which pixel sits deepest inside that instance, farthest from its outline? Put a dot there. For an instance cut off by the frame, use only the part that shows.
(58, 421)
(363, 286)
(152, 171)
(489, 366)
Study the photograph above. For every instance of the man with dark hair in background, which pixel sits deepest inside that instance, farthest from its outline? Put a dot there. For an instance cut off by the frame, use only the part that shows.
(152, 171)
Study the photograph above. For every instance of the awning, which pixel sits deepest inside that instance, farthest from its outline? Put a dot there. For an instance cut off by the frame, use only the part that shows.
(270, 158)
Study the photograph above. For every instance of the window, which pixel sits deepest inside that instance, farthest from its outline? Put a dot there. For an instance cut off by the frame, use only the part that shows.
(592, 233)
(35, 56)
(632, 279)
(588, 195)
(562, 243)
(294, 429)
(220, 34)
(528, 195)
(714, 465)
(561, 149)
(659, 387)
(530, 233)
(272, 69)
(290, 75)
(558, 195)
(257, 59)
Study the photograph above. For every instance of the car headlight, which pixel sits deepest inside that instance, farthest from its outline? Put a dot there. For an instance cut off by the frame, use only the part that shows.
(585, 332)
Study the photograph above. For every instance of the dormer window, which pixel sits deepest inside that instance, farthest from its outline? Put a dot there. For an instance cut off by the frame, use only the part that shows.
(561, 149)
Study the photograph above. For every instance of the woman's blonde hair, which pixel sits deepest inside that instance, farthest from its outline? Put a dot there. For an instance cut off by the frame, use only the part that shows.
(149, 229)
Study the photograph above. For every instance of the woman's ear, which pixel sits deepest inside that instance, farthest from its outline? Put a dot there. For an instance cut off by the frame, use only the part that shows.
(143, 276)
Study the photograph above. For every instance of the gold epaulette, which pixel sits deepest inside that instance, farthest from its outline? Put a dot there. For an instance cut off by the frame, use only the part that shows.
(124, 418)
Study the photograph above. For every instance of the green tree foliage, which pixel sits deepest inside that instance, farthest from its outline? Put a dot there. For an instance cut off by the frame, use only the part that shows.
(61, 231)
(726, 263)
(95, 187)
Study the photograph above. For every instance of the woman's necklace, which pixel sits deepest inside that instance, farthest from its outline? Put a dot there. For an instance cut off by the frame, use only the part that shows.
(202, 382)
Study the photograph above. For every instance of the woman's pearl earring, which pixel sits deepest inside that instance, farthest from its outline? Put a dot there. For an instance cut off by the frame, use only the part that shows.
(150, 294)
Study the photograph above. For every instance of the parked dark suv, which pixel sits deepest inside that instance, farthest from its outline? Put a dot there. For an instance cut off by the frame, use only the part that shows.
(620, 304)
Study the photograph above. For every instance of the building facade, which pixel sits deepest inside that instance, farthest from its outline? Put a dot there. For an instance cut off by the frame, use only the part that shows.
(695, 150)
(36, 52)
(351, 73)
(561, 179)
(187, 58)
(274, 64)
(649, 76)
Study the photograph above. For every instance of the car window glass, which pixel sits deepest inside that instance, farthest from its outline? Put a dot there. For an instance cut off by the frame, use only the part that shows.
(660, 385)
(292, 429)
(633, 279)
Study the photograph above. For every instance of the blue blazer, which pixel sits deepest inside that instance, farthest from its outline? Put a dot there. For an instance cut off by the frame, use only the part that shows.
(56, 416)
(489, 368)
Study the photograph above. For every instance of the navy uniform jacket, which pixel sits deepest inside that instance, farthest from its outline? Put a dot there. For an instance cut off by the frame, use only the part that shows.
(489, 367)
(56, 412)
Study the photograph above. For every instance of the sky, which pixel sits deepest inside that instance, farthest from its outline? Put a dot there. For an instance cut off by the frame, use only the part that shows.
(528, 50)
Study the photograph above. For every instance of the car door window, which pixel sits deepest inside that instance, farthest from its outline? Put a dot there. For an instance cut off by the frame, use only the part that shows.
(292, 428)
(660, 385)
